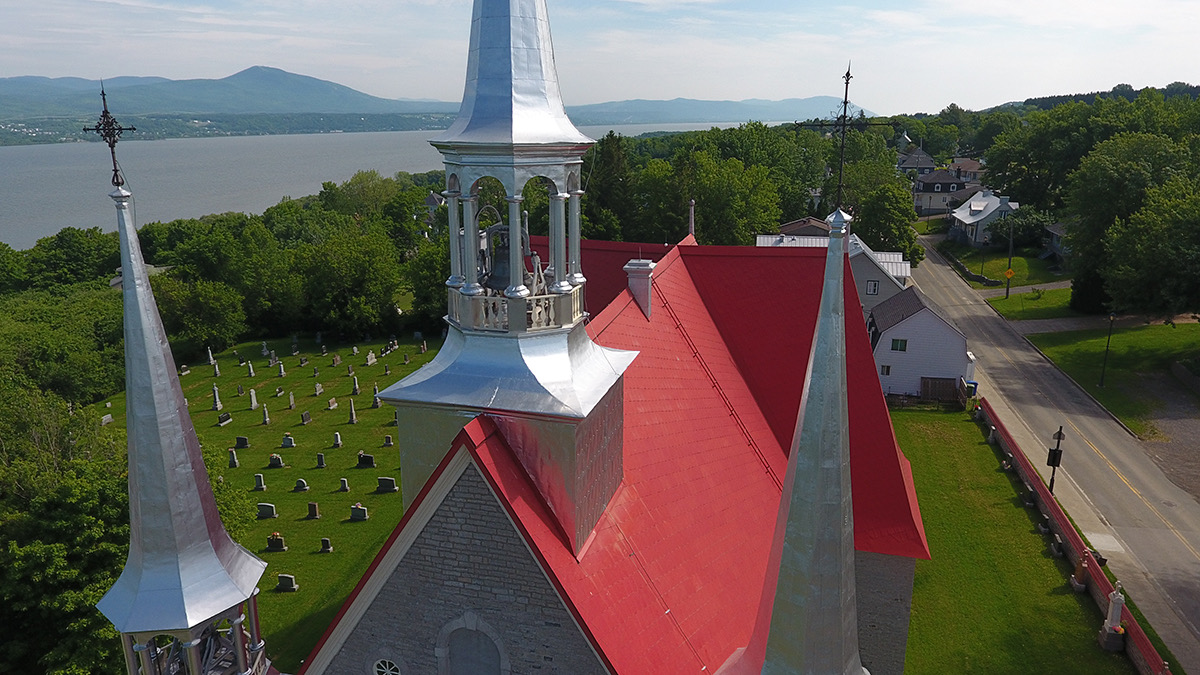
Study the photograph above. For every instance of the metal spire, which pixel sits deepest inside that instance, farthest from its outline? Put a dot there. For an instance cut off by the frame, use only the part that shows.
(111, 132)
(183, 569)
(845, 121)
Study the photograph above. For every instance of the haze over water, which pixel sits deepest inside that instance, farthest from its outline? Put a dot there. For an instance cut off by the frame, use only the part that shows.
(44, 188)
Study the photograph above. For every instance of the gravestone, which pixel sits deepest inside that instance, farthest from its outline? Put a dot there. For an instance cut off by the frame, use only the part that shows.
(266, 511)
(216, 399)
(387, 370)
(291, 401)
(301, 485)
(350, 370)
(386, 484)
(233, 460)
(253, 400)
(106, 420)
(184, 370)
(224, 418)
(275, 461)
(324, 351)
(345, 485)
(356, 391)
(274, 360)
(314, 512)
(423, 347)
(266, 416)
(396, 419)
(305, 417)
(295, 350)
(332, 404)
(358, 512)
(376, 388)
(273, 357)
(265, 350)
(354, 350)
(353, 415)
(376, 403)
(278, 392)
(371, 357)
(250, 370)
(303, 361)
(241, 442)
(259, 483)
(282, 372)
(320, 460)
(287, 584)
(275, 543)
(216, 370)
(387, 441)
(288, 441)
(241, 390)
(318, 389)
(326, 547)
(337, 360)
(241, 361)
(211, 360)
(365, 461)
(316, 373)
(337, 439)
(406, 359)
(107, 404)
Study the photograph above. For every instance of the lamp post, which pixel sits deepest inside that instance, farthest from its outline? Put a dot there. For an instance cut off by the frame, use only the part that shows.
(1054, 458)
(983, 255)
(1007, 276)
(1104, 367)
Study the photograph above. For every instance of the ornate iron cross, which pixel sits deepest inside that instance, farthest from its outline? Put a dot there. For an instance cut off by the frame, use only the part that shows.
(111, 132)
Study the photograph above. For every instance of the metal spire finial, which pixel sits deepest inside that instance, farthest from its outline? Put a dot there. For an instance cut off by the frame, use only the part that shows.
(845, 121)
(111, 132)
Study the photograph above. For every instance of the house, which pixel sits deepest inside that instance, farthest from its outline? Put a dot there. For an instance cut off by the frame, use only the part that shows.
(1056, 243)
(918, 352)
(933, 192)
(971, 223)
(968, 169)
(878, 275)
(917, 160)
(806, 227)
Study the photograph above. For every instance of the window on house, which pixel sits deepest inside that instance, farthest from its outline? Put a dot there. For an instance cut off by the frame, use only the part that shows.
(953, 187)
(885, 370)
(899, 345)
(937, 187)
(872, 287)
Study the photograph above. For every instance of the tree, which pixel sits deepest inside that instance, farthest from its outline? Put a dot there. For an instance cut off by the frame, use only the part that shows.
(12, 269)
(199, 314)
(884, 222)
(1027, 224)
(733, 202)
(351, 280)
(73, 255)
(1155, 255)
(425, 276)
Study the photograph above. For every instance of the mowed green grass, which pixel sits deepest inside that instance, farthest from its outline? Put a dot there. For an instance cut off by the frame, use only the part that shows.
(293, 622)
(1049, 304)
(1028, 268)
(1135, 350)
(992, 599)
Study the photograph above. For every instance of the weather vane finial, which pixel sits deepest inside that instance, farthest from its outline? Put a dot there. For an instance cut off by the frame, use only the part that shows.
(845, 121)
(110, 131)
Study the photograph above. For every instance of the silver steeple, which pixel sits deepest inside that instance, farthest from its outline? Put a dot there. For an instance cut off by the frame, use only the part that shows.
(183, 570)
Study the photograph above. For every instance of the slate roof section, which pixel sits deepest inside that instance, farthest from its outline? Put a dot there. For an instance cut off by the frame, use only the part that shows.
(901, 306)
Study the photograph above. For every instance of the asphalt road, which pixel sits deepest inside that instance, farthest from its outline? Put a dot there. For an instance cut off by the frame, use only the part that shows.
(1126, 507)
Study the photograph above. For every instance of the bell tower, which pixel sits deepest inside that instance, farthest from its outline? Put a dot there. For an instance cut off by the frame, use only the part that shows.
(516, 345)
(185, 602)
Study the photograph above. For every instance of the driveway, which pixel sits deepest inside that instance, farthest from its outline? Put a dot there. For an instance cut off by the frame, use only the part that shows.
(1125, 505)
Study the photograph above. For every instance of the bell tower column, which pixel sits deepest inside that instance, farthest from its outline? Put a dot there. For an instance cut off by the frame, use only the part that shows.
(558, 243)
(576, 273)
(516, 251)
(456, 240)
(470, 248)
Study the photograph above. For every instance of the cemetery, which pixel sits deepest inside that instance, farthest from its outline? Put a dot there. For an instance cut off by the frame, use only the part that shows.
(330, 481)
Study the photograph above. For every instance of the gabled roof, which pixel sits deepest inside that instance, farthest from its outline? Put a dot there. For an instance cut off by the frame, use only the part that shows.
(671, 579)
(903, 305)
(808, 225)
(939, 176)
(981, 206)
(917, 159)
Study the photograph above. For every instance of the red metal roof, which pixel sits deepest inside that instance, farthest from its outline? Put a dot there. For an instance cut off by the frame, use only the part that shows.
(609, 256)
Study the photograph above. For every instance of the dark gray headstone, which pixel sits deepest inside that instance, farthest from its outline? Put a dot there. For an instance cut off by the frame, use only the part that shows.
(275, 544)
(274, 462)
(301, 485)
(345, 485)
(320, 460)
(305, 417)
(233, 460)
(314, 512)
(326, 546)
(224, 418)
(288, 441)
(241, 442)
(366, 461)
(287, 584)
(387, 441)
(291, 401)
(337, 439)
(386, 484)
(266, 511)
(358, 512)
(241, 390)
(259, 483)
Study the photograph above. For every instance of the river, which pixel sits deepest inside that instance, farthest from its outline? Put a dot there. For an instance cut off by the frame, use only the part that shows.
(44, 188)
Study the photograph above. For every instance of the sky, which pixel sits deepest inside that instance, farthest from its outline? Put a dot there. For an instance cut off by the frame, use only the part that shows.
(907, 56)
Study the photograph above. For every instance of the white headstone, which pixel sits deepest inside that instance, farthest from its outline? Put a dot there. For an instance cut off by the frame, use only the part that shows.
(253, 400)
(282, 372)
(250, 368)
(216, 399)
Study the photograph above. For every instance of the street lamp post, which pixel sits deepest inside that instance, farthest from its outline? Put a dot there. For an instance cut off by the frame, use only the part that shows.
(1054, 458)
(1007, 276)
(1104, 367)
(983, 255)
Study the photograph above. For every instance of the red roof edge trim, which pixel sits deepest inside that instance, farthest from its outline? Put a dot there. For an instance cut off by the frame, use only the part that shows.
(506, 456)
(470, 434)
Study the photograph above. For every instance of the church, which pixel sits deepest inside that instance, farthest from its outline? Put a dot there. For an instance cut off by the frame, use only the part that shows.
(617, 462)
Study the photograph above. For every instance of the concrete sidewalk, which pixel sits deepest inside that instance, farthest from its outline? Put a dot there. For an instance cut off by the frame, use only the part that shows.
(1087, 323)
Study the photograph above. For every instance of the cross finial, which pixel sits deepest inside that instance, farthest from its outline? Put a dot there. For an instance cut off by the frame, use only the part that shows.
(110, 131)
(845, 122)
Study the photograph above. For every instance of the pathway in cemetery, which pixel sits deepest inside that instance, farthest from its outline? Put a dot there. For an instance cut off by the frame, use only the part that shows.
(1125, 505)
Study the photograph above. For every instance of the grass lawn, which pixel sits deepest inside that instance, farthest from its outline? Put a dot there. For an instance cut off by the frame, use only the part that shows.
(1028, 269)
(1043, 304)
(992, 599)
(293, 622)
(1134, 350)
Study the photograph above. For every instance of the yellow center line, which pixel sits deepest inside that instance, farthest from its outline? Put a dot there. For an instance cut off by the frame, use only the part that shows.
(1135, 491)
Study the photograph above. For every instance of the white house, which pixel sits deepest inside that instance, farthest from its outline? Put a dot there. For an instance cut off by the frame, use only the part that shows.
(918, 352)
(972, 222)
(878, 275)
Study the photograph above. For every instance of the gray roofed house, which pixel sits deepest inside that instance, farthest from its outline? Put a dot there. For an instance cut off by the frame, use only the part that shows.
(918, 350)
(917, 160)
(972, 221)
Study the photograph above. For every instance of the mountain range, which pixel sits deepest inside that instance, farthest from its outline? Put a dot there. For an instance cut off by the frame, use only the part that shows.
(265, 90)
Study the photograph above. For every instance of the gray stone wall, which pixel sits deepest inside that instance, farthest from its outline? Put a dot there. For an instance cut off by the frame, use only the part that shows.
(469, 559)
(883, 587)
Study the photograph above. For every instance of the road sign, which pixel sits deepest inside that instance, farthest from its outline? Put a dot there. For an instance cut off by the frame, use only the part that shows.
(1059, 435)
(1008, 273)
